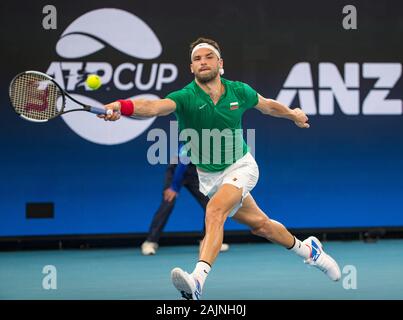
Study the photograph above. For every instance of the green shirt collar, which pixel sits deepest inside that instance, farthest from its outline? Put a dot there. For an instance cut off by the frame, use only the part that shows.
(205, 95)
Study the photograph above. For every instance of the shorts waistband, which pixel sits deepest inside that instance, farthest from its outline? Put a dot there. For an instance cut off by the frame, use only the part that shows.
(205, 171)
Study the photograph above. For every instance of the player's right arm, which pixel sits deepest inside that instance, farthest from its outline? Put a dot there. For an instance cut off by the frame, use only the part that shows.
(139, 108)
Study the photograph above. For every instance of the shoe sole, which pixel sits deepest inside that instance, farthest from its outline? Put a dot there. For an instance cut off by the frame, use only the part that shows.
(339, 272)
(181, 284)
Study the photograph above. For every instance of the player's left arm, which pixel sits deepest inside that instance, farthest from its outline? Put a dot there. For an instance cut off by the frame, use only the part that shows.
(277, 109)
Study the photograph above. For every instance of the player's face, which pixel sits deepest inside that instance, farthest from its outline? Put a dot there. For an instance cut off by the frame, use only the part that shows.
(205, 65)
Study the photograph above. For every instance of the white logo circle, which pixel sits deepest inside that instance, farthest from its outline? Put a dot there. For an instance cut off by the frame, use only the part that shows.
(89, 34)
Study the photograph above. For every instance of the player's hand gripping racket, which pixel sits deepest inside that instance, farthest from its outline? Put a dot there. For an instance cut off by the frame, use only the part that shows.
(37, 97)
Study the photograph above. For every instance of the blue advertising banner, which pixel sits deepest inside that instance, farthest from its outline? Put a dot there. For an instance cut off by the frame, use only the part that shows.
(344, 171)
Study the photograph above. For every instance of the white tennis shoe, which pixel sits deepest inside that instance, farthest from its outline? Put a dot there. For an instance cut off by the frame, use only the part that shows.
(186, 284)
(321, 260)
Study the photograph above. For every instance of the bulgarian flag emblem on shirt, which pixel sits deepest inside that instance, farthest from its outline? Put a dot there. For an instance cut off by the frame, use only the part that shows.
(234, 105)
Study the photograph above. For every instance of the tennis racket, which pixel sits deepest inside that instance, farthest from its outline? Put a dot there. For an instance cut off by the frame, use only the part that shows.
(37, 97)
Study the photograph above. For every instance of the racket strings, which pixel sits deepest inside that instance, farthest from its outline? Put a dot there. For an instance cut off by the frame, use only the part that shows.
(35, 96)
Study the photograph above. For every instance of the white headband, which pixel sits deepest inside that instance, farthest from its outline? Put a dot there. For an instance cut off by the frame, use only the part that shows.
(207, 46)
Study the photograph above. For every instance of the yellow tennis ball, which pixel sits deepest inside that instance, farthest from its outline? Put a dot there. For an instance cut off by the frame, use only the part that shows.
(93, 81)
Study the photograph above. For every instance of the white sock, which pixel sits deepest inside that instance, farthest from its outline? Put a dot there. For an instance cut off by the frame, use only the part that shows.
(301, 249)
(201, 272)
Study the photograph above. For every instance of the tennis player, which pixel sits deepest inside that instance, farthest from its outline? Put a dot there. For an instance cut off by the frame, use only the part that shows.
(212, 102)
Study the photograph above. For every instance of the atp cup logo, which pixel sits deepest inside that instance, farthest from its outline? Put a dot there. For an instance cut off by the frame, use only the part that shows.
(116, 30)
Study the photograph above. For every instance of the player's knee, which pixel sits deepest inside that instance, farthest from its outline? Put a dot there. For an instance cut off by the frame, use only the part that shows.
(215, 215)
(263, 228)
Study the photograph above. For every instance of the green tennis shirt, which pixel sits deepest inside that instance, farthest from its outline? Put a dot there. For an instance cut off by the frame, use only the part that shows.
(213, 132)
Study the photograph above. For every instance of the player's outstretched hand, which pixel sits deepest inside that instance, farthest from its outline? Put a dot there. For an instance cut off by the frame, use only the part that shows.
(112, 112)
(300, 118)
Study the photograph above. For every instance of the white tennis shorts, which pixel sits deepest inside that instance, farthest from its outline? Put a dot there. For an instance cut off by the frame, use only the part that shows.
(244, 174)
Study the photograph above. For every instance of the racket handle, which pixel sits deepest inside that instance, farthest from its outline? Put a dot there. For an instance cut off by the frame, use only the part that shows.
(98, 110)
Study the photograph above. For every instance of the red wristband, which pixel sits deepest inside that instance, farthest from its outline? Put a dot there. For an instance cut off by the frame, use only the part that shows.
(126, 107)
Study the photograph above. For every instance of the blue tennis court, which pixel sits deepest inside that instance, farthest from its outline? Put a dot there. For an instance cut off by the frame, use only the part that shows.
(247, 271)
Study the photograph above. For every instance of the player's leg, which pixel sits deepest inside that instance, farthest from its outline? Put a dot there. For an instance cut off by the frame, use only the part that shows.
(226, 190)
(193, 187)
(260, 224)
(310, 249)
(219, 207)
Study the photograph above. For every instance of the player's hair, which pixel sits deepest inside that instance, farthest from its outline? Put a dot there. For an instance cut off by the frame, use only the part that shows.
(203, 40)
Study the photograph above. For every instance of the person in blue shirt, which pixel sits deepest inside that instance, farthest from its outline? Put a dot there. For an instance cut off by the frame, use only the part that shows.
(177, 175)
